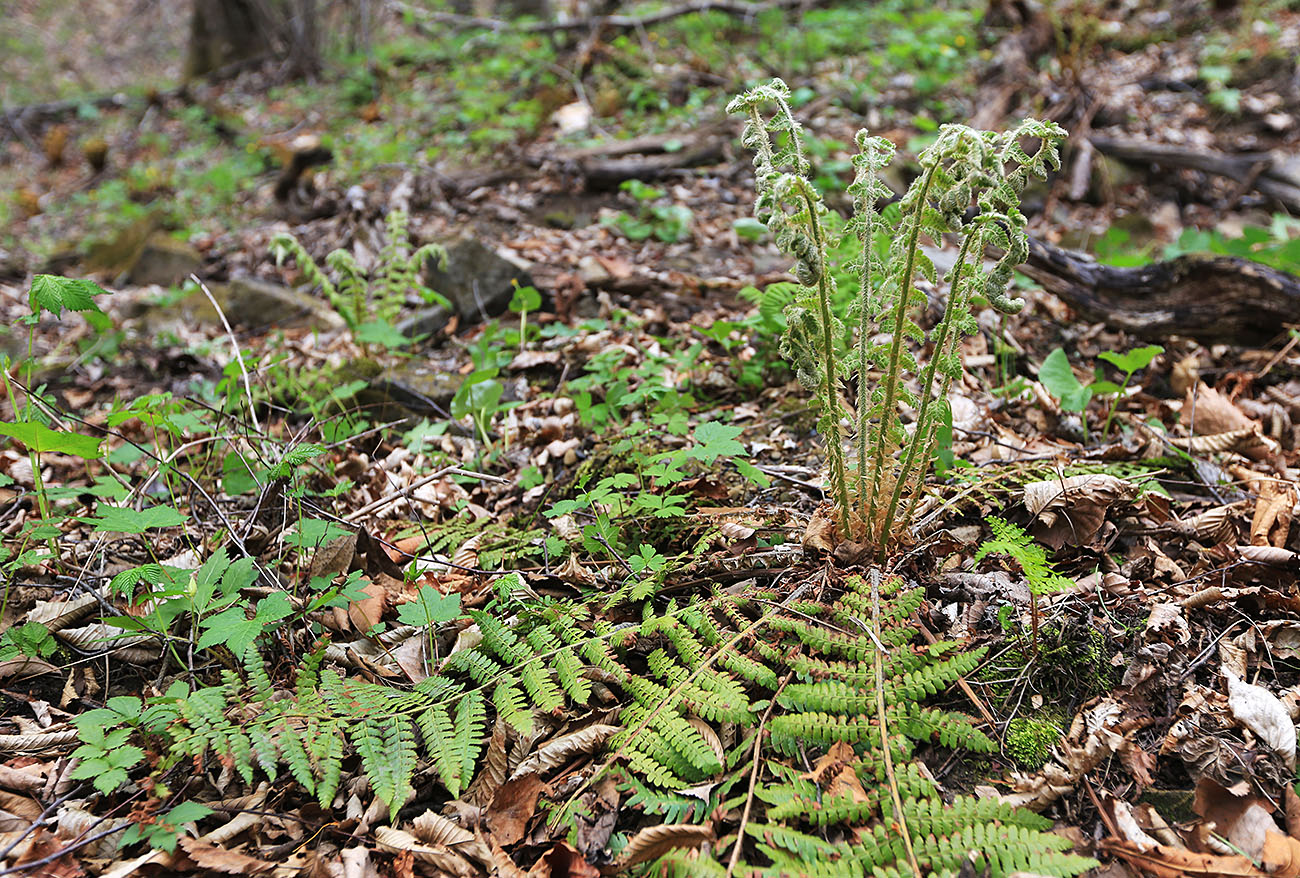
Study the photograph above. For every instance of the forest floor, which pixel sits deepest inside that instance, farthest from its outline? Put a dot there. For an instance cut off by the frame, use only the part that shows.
(520, 583)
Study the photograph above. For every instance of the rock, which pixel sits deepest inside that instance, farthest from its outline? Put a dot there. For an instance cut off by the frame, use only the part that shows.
(258, 304)
(592, 272)
(162, 260)
(477, 280)
(410, 388)
(424, 322)
(246, 302)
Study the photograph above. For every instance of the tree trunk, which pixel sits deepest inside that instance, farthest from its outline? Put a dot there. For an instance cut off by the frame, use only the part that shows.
(224, 33)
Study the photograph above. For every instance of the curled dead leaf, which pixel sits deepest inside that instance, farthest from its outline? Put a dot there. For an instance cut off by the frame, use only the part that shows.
(398, 840)
(655, 841)
(467, 555)
(1264, 714)
(556, 752)
(1072, 510)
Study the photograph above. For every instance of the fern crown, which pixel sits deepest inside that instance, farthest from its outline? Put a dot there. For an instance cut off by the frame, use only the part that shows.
(876, 484)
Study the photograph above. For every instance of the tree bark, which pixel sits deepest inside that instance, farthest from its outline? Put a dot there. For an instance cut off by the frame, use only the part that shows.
(225, 32)
(1209, 298)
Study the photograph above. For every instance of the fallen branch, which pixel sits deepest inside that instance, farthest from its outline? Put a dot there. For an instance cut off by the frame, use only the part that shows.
(422, 18)
(1274, 174)
(1210, 298)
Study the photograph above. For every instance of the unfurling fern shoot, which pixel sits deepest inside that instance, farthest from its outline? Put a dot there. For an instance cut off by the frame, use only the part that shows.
(876, 490)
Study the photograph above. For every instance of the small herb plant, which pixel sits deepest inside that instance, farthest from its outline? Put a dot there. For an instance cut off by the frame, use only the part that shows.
(1009, 539)
(1073, 396)
(669, 223)
(876, 487)
(370, 302)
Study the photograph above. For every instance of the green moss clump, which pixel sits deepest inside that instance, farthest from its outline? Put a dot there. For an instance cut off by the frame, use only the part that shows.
(1029, 741)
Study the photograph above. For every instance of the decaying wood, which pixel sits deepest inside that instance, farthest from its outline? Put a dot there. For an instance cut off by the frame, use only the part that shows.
(604, 168)
(423, 18)
(1275, 174)
(1210, 298)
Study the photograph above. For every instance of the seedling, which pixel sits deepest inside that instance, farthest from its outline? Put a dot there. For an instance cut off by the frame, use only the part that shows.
(1128, 363)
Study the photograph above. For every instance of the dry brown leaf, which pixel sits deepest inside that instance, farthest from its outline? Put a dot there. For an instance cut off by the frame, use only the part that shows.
(655, 841)
(558, 751)
(1208, 412)
(574, 571)
(512, 807)
(367, 612)
(562, 861)
(1214, 525)
(335, 556)
(1284, 559)
(40, 742)
(820, 534)
(734, 530)
(467, 555)
(1264, 714)
(219, 859)
(22, 668)
(531, 359)
(1072, 510)
(436, 830)
(493, 773)
(1216, 443)
(398, 840)
(20, 806)
(1242, 820)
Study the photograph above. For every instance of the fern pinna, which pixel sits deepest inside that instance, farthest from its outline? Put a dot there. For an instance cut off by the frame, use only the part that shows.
(839, 677)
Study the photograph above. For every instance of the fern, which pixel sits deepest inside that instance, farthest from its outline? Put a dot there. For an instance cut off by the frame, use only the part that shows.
(360, 297)
(1008, 539)
(715, 664)
(875, 491)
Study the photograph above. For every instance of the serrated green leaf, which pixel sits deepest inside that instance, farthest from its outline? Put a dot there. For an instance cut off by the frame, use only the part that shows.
(53, 293)
(115, 519)
(429, 607)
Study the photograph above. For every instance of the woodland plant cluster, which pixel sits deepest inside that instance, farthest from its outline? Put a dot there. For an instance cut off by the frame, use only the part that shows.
(876, 485)
(715, 699)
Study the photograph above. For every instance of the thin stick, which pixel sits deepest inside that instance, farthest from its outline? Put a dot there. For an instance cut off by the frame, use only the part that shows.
(753, 778)
(393, 496)
(879, 665)
(234, 344)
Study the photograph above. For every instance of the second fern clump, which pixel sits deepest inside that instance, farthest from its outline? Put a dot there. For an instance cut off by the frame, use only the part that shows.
(369, 302)
(876, 485)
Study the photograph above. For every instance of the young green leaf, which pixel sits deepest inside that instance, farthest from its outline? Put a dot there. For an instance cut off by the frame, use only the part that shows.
(1057, 376)
(42, 440)
(430, 607)
(233, 627)
(115, 519)
(1138, 358)
(716, 440)
(53, 293)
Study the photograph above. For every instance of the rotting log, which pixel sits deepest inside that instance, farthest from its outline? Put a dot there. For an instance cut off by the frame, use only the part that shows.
(1274, 174)
(1209, 298)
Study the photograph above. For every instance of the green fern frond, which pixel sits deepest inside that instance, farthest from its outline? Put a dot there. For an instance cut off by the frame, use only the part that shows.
(1008, 539)
(718, 660)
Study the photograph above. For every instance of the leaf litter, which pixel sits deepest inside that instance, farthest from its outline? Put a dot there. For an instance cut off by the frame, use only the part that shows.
(1177, 637)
